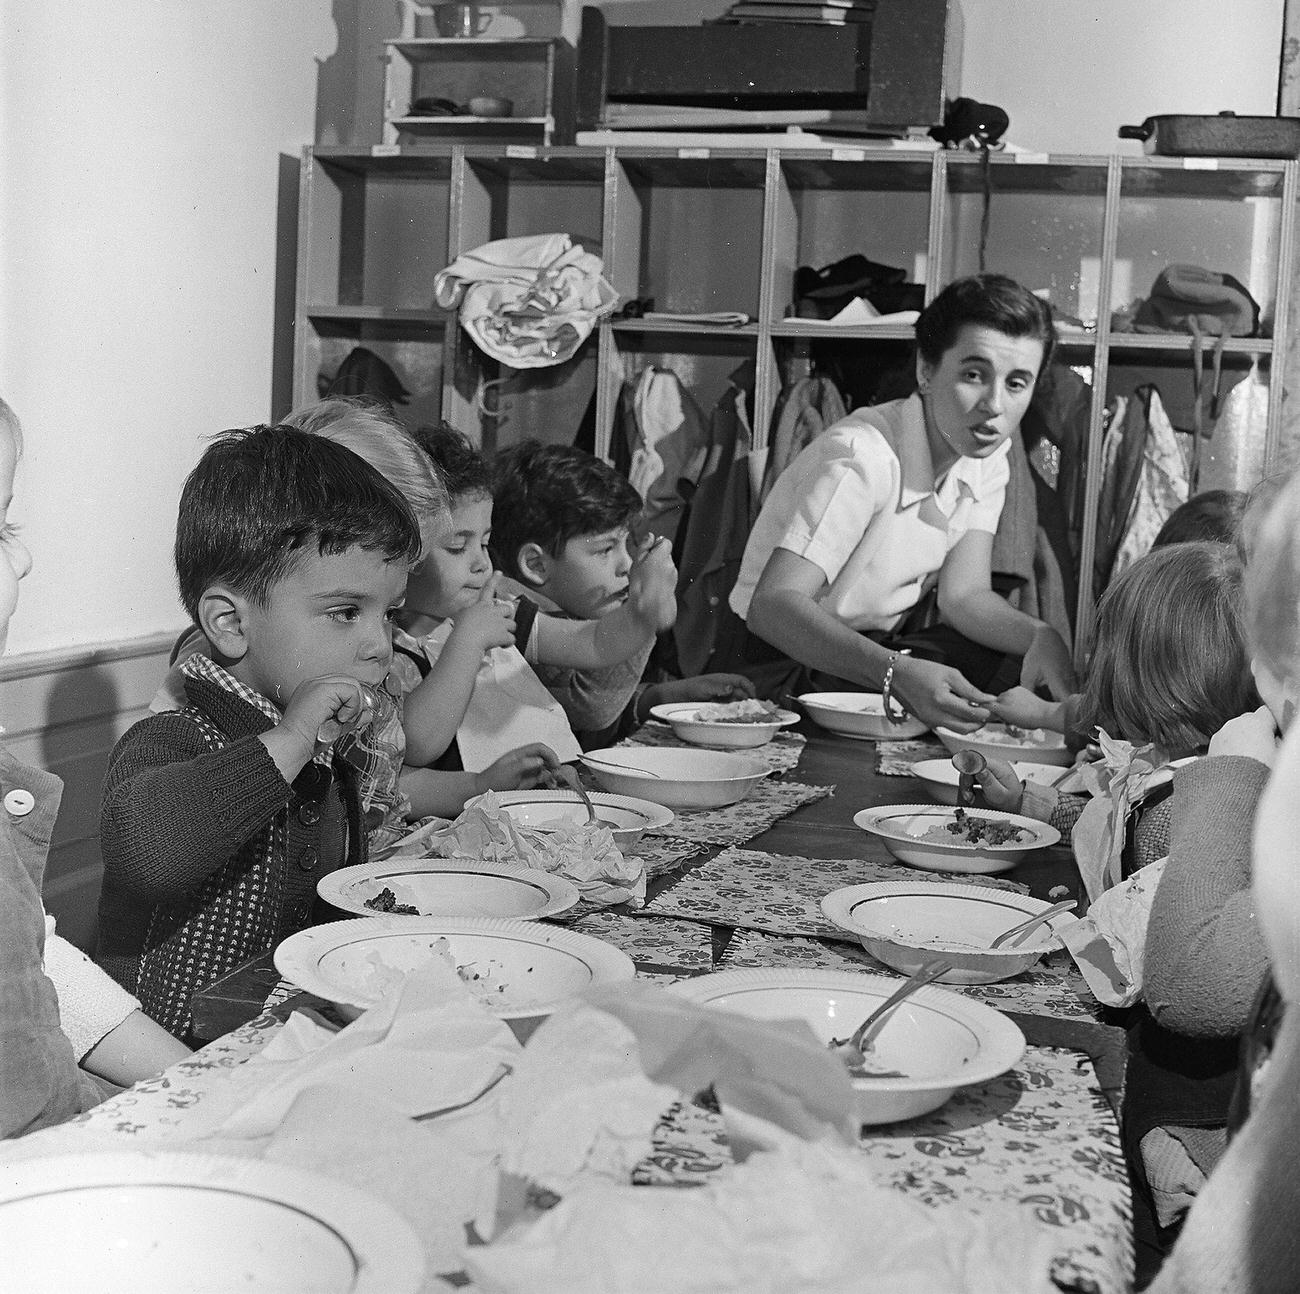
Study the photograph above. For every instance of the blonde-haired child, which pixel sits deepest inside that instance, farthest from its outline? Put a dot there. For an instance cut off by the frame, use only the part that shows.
(61, 1018)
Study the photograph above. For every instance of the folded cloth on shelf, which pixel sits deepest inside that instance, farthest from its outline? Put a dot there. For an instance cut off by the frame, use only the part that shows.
(528, 302)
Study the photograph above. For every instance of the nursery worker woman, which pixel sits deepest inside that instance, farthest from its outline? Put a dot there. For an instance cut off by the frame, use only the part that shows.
(870, 563)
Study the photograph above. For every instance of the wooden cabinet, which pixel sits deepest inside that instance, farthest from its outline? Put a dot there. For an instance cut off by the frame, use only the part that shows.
(701, 229)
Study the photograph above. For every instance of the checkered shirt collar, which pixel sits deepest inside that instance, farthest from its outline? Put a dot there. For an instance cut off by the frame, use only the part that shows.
(204, 667)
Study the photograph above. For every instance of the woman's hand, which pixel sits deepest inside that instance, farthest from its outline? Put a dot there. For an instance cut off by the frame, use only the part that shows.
(1001, 787)
(520, 769)
(938, 695)
(1047, 663)
(1253, 735)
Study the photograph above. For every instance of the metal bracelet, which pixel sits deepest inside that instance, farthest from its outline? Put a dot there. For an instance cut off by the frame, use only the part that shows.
(895, 712)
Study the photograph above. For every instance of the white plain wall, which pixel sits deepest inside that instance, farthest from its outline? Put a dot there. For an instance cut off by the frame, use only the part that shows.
(140, 143)
(139, 149)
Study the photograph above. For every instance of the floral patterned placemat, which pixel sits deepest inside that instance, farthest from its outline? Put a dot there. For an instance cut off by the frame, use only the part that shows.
(895, 758)
(661, 855)
(783, 752)
(1054, 987)
(683, 945)
(733, 824)
(781, 894)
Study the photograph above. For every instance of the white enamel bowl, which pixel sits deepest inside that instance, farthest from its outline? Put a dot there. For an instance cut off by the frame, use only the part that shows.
(441, 887)
(940, 1040)
(858, 714)
(627, 817)
(902, 827)
(1038, 745)
(519, 969)
(906, 923)
(679, 777)
(683, 717)
(157, 1222)
(940, 778)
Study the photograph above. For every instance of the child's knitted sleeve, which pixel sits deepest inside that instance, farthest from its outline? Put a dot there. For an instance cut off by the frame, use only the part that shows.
(174, 811)
(1059, 809)
(1205, 955)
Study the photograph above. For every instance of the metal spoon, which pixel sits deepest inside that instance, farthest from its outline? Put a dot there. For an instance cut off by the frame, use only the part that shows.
(1033, 923)
(854, 1051)
(969, 765)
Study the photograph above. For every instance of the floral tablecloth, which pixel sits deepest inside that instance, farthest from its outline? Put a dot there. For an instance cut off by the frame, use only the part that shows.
(769, 802)
(755, 890)
(782, 752)
(895, 758)
(1053, 988)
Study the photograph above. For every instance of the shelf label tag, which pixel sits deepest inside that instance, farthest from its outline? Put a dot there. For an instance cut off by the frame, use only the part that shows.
(1030, 157)
(520, 150)
(1200, 163)
(848, 154)
(385, 150)
(693, 152)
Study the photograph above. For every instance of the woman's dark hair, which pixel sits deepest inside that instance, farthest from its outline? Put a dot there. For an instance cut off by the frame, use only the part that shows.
(991, 301)
(1213, 515)
(549, 494)
(464, 471)
(1170, 664)
(262, 496)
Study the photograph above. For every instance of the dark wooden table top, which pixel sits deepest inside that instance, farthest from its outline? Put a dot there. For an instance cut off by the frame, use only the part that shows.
(822, 829)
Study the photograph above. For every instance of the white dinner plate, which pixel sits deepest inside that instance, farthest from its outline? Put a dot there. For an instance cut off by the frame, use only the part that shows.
(858, 714)
(153, 1222)
(627, 817)
(443, 887)
(519, 969)
(903, 828)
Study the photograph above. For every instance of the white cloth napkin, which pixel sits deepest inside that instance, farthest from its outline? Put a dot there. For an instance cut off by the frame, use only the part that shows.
(510, 707)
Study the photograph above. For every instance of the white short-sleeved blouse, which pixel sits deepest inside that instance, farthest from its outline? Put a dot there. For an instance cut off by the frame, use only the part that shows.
(860, 503)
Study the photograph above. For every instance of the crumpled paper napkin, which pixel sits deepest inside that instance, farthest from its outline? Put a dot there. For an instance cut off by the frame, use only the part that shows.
(1109, 943)
(804, 1218)
(584, 854)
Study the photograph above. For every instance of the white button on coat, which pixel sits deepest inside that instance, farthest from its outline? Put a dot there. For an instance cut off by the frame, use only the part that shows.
(19, 803)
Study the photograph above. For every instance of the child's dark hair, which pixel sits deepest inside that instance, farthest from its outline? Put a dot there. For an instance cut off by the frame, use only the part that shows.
(463, 469)
(549, 494)
(991, 301)
(259, 496)
(1213, 515)
(1170, 663)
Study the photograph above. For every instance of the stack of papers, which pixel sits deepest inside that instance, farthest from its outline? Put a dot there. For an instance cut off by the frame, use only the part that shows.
(828, 12)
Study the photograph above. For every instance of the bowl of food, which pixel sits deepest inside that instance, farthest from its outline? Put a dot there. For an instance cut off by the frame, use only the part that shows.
(939, 777)
(679, 777)
(930, 1045)
(442, 887)
(1003, 741)
(627, 817)
(733, 725)
(858, 714)
(906, 923)
(518, 969)
(942, 839)
(135, 1222)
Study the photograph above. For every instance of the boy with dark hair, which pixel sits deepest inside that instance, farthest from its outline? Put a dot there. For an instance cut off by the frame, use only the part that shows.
(561, 522)
(292, 555)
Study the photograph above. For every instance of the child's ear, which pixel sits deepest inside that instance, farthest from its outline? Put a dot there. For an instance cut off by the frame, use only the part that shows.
(534, 567)
(223, 617)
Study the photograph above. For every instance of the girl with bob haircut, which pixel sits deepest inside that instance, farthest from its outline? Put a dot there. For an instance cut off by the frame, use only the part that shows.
(1170, 666)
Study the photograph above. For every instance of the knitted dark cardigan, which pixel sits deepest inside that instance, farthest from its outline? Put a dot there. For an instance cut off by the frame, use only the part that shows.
(210, 857)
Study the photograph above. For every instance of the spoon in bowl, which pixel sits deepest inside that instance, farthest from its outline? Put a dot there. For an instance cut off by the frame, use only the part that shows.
(854, 1051)
(1024, 927)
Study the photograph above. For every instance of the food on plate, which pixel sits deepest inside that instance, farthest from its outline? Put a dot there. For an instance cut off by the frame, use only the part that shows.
(962, 829)
(747, 711)
(861, 1064)
(386, 901)
(1006, 734)
(480, 977)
